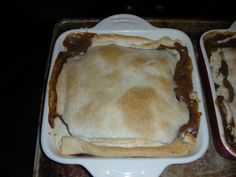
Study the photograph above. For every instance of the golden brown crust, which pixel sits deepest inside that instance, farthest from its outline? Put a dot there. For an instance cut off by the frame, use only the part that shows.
(131, 41)
(179, 147)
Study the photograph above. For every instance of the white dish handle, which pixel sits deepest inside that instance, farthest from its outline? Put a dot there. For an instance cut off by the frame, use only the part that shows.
(124, 22)
(233, 26)
(127, 168)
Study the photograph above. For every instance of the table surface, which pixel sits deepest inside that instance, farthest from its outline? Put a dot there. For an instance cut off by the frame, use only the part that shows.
(210, 165)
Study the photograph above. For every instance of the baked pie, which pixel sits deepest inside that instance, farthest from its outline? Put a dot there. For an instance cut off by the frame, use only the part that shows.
(221, 51)
(113, 95)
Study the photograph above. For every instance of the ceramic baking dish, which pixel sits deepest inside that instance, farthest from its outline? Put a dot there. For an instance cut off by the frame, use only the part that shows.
(138, 167)
(220, 143)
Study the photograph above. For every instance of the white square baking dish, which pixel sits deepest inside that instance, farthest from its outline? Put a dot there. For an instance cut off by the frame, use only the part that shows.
(138, 167)
(218, 132)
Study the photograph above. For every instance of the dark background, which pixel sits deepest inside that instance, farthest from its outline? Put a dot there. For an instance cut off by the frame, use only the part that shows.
(26, 31)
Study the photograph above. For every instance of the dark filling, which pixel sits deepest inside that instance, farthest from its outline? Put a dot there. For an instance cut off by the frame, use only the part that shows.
(52, 99)
(227, 128)
(184, 88)
(230, 88)
(212, 45)
(224, 68)
(224, 71)
(77, 43)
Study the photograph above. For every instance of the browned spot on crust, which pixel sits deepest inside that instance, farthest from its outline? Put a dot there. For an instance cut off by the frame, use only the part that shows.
(135, 104)
(111, 53)
(139, 61)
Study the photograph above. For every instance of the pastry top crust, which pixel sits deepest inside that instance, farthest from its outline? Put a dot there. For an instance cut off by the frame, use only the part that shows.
(120, 94)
